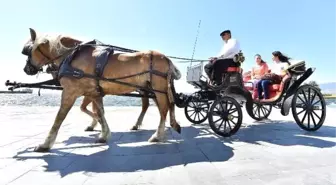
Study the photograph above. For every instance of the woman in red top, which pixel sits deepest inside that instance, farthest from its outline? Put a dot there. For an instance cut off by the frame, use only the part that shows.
(259, 70)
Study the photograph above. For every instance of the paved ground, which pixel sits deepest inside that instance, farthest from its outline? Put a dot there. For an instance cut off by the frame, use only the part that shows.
(270, 152)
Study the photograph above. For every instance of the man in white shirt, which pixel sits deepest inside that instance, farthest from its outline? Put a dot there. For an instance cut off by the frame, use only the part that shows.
(224, 59)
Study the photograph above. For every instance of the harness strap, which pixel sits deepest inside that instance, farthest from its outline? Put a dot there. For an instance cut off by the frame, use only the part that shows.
(101, 61)
(66, 69)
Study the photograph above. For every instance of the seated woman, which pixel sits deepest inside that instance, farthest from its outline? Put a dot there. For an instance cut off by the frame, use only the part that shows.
(259, 70)
(281, 63)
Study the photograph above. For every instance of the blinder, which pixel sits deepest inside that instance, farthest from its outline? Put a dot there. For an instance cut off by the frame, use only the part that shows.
(29, 68)
(27, 49)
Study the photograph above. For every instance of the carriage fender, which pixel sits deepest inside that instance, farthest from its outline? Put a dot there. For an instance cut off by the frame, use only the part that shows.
(287, 102)
(243, 92)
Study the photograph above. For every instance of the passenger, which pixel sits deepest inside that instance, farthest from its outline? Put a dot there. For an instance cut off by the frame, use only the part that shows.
(259, 70)
(278, 71)
(224, 59)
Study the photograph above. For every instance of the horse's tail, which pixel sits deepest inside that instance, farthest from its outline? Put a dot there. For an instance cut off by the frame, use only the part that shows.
(174, 73)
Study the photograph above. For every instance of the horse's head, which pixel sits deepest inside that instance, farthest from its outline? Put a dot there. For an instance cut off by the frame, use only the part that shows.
(44, 50)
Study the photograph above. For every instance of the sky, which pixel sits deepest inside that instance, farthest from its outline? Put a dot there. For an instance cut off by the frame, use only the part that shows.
(301, 29)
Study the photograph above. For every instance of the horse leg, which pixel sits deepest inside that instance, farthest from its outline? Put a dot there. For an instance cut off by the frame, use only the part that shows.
(163, 105)
(145, 105)
(94, 119)
(67, 101)
(105, 133)
(93, 114)
(173, 123)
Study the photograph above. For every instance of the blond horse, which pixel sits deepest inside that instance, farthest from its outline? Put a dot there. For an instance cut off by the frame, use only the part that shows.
(55, 49)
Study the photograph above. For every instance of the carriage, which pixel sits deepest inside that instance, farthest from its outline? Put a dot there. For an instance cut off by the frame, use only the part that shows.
(226, 101)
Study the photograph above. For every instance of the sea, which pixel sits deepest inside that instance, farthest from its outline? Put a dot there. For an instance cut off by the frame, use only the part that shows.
(54, 99)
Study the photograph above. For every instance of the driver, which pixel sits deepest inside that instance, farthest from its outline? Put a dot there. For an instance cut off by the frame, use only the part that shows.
(224, 59)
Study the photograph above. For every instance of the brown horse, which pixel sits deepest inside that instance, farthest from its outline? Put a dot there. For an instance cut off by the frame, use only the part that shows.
(44, 50)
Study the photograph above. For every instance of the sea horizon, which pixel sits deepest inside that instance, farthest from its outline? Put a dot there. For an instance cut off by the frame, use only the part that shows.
(54, 99)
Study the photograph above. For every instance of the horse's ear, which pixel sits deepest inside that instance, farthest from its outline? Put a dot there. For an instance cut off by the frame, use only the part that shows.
(32, 34)
(69, 42)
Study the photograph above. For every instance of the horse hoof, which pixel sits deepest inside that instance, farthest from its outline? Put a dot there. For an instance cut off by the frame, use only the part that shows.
(89, 129)
(177, 128)
(101, 140)
(41, 149)
(134, 127)
(153, 140)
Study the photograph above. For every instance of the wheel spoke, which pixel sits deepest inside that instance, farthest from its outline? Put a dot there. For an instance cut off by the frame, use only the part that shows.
(304, 117)
(317, 102)
(313, 119)
(195, 116)
(232, 122)
(317, 115)
(229, 125)
(308, 96)
(224, 126)
(218, 120)
(198, 115)
(192, 114)
(194, 104)
(264, 108)
(301, 111)
(233, 111)
(259, 111)
(255, 111)
(313, 97)
(202, 114)
(263, 111)
(220, 125)
(221, 105)
(308, 120)
(230, 106)
(305, 97)
(301, 99)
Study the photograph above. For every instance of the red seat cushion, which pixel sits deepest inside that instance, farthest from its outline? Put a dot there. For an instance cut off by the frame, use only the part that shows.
(233, 69)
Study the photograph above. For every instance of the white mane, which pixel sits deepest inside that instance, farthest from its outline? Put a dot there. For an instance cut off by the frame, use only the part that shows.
(55, 45)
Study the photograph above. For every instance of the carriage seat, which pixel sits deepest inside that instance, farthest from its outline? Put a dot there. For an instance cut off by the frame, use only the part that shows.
(280, 87)
(297, 68)
(233, 70)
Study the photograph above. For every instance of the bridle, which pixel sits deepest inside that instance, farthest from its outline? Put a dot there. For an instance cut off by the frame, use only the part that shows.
(27, 50)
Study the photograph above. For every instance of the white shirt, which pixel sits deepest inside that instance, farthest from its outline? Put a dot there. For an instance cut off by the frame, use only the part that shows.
(278, 68)
(230, 49)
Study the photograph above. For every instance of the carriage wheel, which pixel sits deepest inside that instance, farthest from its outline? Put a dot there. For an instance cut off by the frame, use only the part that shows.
(196, 111)
(261, 111)
(309, 108)
(225, 116)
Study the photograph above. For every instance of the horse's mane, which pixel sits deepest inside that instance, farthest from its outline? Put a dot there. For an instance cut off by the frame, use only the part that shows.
(55, 45)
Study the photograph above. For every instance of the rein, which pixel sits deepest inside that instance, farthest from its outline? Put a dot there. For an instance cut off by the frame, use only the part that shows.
(51, 64)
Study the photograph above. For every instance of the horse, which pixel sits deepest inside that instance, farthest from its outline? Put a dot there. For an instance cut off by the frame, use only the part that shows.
(82, 74)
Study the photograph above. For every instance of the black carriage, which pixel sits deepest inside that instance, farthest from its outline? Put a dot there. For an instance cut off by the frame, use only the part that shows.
(225, 101)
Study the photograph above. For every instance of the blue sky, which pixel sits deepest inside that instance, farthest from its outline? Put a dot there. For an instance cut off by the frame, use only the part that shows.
(302, 29)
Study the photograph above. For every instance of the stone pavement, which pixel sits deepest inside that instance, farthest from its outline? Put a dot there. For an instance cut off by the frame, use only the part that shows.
(269, 152)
